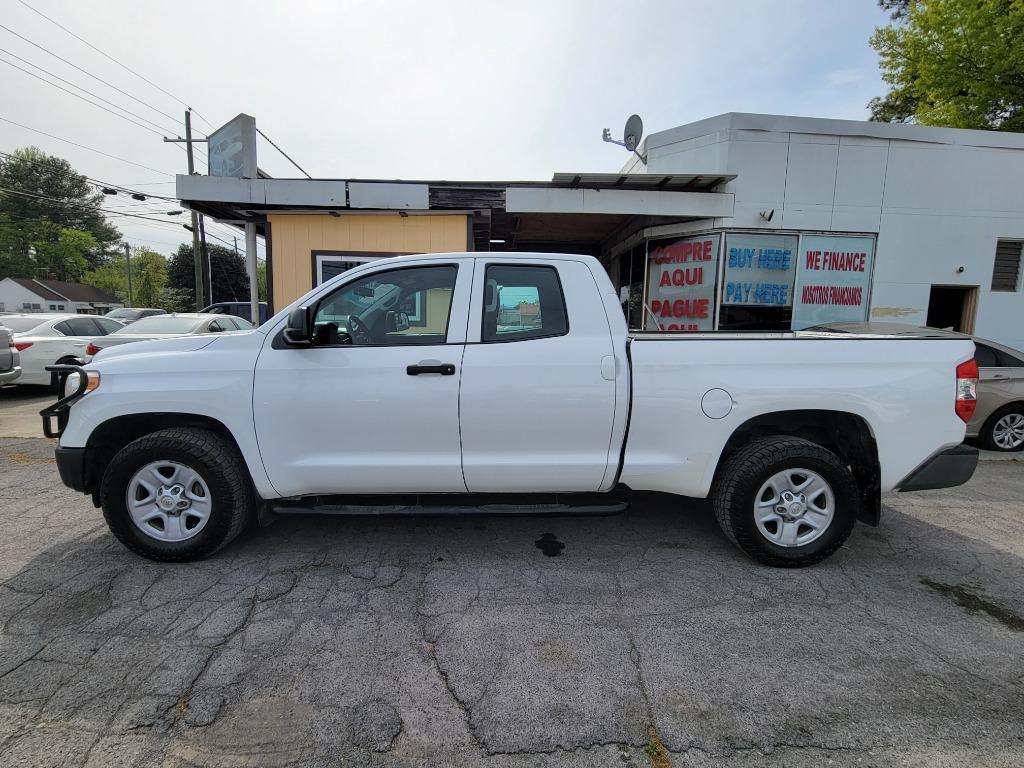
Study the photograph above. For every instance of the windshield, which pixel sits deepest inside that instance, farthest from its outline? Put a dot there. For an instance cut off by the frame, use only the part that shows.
(124, 314)
(159, 324)
(21, 324)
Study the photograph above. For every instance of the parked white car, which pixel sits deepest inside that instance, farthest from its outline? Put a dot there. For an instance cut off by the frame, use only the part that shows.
(169, 327)
(508, 381)
(44, 339)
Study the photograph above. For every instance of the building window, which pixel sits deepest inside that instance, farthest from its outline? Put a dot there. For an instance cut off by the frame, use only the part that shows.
(1006, 272)
(681, 275)
(328, 264)
(833, 280)
(757, 282)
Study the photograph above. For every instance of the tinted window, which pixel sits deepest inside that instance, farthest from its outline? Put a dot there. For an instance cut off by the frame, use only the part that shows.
(79, 326)
(106, 326)
(1008, 361)
(986, 356)
(397, 307)
(522, 303)
(219, 326)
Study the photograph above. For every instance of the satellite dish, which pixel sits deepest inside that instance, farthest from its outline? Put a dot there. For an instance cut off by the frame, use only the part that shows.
(633, 132)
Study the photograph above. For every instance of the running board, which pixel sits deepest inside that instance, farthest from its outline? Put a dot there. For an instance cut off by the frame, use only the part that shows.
(443, 504)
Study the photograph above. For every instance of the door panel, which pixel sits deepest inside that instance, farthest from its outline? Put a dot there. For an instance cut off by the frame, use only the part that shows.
(349, 418)
(536, 412)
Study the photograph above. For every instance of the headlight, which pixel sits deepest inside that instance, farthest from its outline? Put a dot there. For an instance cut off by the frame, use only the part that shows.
(71, 383)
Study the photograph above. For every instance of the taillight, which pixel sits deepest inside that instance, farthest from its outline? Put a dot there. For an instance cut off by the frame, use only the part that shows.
(21, 346)
(966, 389)
(92, 349)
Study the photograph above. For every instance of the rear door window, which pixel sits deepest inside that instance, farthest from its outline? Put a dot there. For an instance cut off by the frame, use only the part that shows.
(79, 326)
(985, 356)
(522, 302)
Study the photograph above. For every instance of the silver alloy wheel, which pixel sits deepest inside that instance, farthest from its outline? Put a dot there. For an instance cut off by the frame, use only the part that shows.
(1008, 432)
(168, 501)
(794, 507)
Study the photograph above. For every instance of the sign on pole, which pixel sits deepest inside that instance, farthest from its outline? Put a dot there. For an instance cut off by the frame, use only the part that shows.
(232, 148)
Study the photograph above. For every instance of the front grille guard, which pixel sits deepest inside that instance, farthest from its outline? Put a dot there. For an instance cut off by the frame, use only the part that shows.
(58, 412)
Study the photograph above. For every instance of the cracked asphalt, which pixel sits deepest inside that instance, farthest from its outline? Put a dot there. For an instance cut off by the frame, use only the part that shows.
(459, 642)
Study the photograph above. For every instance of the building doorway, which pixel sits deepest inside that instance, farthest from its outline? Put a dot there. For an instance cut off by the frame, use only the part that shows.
(953, 306)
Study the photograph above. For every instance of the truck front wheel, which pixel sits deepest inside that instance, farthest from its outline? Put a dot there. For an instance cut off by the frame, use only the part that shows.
(785, 501)
(177, 494)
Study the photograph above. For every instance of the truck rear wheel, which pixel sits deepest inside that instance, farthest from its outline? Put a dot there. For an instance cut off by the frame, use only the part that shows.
(177, 494)
(785, 501)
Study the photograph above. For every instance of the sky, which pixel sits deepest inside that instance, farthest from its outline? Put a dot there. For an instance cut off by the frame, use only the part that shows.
(413, 89)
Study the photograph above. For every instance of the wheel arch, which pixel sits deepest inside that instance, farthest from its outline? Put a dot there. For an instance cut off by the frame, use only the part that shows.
(115, 433)
(846, 434)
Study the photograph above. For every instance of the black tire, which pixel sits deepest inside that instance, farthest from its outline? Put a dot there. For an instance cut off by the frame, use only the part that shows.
(744, 473)
(985, 434)
(218, 462)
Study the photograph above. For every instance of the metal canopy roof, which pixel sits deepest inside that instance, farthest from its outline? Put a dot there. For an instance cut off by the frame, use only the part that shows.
(676, 182)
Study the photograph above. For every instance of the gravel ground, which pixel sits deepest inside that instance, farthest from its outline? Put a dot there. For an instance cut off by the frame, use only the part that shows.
(645, 640)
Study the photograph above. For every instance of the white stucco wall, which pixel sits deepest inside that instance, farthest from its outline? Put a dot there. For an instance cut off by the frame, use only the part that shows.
(13, 295)
(937, 198)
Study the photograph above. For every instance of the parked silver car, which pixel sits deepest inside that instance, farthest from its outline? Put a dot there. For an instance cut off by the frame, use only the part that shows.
(10, 361)
(170, 326)
(998, 421)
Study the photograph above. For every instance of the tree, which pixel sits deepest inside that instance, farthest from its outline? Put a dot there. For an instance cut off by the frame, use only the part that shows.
(230, 282)
(40, 189)
(952, 62)
(149, 278)
(64, 257)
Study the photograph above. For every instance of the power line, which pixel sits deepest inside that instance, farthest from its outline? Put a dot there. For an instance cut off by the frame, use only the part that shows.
(95, 182)
(68, 204)
(78, 96)
(75, 85)
(87, 72)
(261, 133)
(111, 58)
(82, 146)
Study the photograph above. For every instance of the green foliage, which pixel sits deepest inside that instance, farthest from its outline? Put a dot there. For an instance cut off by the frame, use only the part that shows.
(953, 62)
(149, 278)
(230, 283)
(47, 197)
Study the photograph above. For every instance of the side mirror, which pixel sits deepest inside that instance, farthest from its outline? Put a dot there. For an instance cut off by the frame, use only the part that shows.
(396, 321)
(296, 332)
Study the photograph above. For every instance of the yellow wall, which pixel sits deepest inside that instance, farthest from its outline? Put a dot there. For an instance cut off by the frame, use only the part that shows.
(295, 236)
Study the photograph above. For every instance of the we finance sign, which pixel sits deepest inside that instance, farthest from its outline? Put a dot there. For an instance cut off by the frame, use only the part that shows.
(833, 280)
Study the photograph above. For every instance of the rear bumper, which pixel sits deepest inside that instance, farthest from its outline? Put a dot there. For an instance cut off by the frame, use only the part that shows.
(953, 466)
(6, 377)
(71, 466)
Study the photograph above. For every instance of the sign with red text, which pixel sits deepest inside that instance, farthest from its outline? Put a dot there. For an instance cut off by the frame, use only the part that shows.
(833, 280)
(681, 284)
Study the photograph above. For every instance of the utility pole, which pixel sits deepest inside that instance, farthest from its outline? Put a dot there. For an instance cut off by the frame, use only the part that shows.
(250, 263)
(196, 252)
(128, 268)
(207, 265)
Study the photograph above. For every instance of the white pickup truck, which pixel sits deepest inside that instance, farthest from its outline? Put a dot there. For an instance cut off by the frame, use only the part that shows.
(508, 382)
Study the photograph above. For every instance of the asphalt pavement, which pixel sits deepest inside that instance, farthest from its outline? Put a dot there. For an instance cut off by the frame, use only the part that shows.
(633, 640)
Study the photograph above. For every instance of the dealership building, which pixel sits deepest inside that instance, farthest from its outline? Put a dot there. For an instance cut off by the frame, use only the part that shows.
(739, 221)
